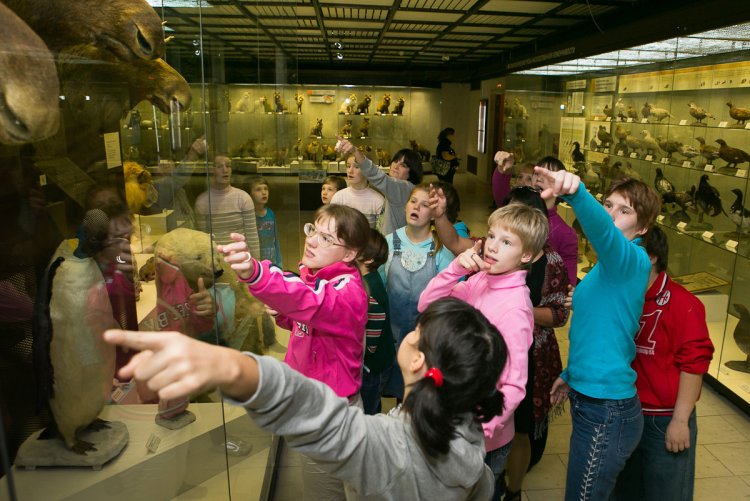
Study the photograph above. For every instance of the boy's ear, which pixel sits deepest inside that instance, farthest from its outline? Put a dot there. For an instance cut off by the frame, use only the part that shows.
(526, 257)
(349, 256)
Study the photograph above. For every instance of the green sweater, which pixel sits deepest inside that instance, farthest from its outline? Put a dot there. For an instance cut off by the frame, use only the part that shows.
(380, 348)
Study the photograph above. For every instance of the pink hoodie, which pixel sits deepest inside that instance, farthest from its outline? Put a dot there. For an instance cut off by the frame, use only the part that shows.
(326, 312)
(504, 300)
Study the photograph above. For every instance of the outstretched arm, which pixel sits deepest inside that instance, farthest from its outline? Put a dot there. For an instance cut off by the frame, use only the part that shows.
(446, 232)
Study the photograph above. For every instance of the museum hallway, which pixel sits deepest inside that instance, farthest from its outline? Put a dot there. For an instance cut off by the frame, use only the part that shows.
(723, 454)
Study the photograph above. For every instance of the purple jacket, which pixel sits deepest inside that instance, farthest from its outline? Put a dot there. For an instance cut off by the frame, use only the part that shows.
(326, 312)
(564, 240)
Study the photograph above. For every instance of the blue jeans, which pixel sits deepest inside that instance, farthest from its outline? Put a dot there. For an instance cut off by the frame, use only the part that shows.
(496, 460)
(605, 434)
(372, 390)
(653, 473)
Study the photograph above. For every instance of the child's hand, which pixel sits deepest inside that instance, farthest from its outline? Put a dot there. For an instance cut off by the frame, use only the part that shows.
(437, 202)
(559, 392)
(203, 301)
(345, 147)
(558, 183)
(238, 257)
(569, 297)
(504, 161)
(470, 259)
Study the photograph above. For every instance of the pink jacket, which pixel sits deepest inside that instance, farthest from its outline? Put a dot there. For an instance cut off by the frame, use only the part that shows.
(326, 312)
(504, 300)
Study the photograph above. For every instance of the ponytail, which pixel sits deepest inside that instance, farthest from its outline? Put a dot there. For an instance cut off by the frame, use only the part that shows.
(470, 355)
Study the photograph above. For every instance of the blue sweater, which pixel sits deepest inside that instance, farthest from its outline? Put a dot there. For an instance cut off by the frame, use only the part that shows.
(607, 306)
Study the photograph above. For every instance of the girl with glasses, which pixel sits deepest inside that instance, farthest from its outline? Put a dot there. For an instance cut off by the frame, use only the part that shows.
(324, 307)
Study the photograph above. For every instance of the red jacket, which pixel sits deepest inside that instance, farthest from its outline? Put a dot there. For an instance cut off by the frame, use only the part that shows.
(673, 338)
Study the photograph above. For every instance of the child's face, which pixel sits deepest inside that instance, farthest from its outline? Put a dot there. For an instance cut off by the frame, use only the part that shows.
(259, 194)
(624, 215)
(418, 209)
(222, 173)
(503, 251)
(324, 248)
(353, 174)
(327, 192)
(399, 169)
(525, 178)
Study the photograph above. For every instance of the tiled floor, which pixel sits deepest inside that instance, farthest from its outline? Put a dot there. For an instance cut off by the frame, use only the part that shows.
(723, 453)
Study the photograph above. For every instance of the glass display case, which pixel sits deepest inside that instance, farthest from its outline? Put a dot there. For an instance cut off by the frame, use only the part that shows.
(675, 114)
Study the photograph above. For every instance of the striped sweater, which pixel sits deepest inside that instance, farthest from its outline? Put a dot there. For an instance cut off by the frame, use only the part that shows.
(221, 212)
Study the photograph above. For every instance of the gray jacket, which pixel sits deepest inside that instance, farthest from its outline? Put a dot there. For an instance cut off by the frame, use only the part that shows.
(378, 457)
(395, 191)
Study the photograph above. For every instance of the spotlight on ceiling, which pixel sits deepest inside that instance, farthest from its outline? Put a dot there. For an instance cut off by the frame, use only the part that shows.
(338, 45)
(339, 56)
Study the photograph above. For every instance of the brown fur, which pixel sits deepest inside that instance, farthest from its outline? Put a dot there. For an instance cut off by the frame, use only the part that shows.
(28, 84)
(385, 103)
(423, 152)
(364, 106)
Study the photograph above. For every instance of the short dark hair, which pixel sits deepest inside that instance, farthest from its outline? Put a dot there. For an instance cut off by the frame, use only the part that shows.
(256, 180)
(527, 195)
(469, 351)
(413, 160)
(551, 163)
(656, 244)
(375, 251)
(443, 136)
(337, 181)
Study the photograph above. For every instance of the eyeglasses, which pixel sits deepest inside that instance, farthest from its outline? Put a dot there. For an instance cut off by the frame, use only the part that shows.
(325, 240)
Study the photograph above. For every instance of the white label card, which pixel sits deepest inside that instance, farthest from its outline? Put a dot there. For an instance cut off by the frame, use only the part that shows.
(722, 124)
(741, 173)
(660, 219)
(683, 122)
(747, 125)
(686, 163)
(708, 168)
(634, 155)
(112, 149)
(682, 226)
(665, 160)
(608, 119)
(599, 197)
(620, 153)
(644, 120)
(707, 236)
(649, 158)
(153, 443)
(731, 245)
(630, 120)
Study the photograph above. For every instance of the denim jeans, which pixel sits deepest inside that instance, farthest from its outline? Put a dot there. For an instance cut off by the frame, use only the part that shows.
(605, 434)
(496, 460)
(653, 473)
(372, 390)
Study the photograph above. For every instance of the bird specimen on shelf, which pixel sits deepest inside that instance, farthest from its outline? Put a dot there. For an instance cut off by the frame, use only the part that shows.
(732, 156)
(742, 339)
(633, 142)
(604, 136)
(709, 152)
(739, 114)
(669, 145)
(658, 114)
(707, 198)
(648, 143)
(632, 113)
(699, 113)
(577, 155)
(619, 109)
(739, 214)
(607, 111)
(591, 179)
(685, 200)
(630, 172)
(688, 151)
(661, 183)
(621, 133)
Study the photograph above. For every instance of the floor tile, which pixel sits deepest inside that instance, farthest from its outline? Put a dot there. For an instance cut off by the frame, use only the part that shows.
(558, 439)
(549, 473)
(735, 457)
(713, 404)
(716, 430)
(545, 495)
(740, 422)
(712, 489)
(707, 466)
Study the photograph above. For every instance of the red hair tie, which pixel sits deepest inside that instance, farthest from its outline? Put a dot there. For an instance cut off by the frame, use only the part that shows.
(436, 376)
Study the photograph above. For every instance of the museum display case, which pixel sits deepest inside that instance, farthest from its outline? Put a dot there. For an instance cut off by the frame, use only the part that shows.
(675, 114)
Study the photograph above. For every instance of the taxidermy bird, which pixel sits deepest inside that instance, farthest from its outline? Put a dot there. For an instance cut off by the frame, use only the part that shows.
(699, 113)
(669, 145)
(738, 214)
(688, 151)
(732, 156)
(619, 109)
(661, 183)
(685, 200)
(709, 152)
(621, 133)
(739, 114)
(630, 172)
(607, 111)
(604, 136)
(632, 113)
(591, 178)
(577, 155)
(633, 142)
(648, 142)
(742, 339)
(707, 198)
(658, 114)
(74, 365)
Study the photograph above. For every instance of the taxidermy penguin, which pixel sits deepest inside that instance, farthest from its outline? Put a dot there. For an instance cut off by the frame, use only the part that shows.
(74, 365)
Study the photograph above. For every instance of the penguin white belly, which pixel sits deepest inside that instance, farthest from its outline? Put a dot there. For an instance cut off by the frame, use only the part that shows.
(83, 364)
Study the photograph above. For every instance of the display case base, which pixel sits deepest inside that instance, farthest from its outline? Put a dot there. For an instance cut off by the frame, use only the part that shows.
(109, 442)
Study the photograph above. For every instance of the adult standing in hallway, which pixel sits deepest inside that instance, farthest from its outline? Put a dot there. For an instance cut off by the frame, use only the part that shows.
(446, 152)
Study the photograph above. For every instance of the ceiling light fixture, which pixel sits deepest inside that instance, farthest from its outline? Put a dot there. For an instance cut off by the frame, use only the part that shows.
(339, 56)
